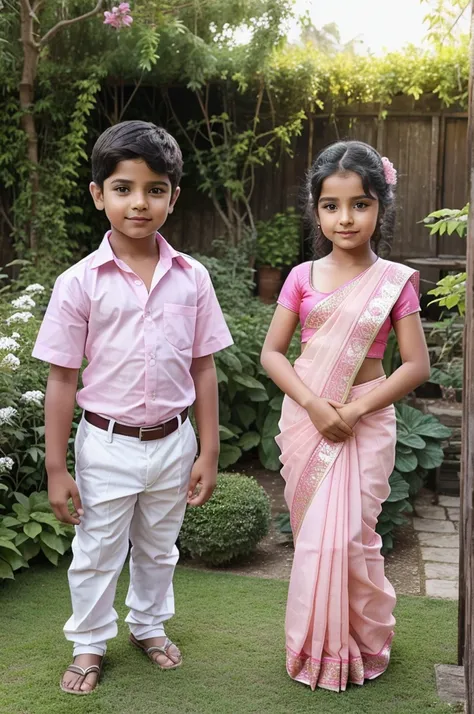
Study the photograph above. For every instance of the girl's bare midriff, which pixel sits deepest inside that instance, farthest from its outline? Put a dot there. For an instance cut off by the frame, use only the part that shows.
(370, 369)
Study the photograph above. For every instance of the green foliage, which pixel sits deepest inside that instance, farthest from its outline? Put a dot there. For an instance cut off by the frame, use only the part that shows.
(443, 20)
(247, 102)
(418, 450)
(230, 525)
(249, 402)
(278, 240)
(450, 291)
(231, 274)
(448, 337)
(450, 376)
(31, 528)
(227, 149)
(22, 384)
(304, 77)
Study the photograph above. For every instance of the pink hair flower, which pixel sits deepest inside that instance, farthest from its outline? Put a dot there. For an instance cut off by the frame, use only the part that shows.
(119, 16)
(389, 171)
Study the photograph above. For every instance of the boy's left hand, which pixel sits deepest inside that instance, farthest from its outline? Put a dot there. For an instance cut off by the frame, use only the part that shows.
(203, 480)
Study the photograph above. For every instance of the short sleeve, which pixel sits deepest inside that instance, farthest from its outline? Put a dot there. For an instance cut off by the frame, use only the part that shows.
(62, 336)
(290, 294)
(211, 334)
(407, 303)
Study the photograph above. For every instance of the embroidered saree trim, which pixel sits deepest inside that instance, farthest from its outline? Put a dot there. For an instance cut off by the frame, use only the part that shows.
(334, 674)
(340, 381)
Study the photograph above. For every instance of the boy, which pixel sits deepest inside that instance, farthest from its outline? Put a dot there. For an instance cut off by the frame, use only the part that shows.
(147, 319)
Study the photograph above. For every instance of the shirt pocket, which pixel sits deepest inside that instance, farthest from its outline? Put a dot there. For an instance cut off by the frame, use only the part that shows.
(179, 324)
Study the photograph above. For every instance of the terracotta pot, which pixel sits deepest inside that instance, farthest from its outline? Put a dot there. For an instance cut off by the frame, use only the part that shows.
(269, 283)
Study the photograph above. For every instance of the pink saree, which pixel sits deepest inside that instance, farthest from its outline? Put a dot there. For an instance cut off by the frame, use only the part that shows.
(339, 621)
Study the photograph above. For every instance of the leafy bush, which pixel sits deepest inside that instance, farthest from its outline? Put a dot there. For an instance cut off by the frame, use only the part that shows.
(230, 524)
(249, 402)
(278, 240)
(232, 276)
(22, 384)
(27, 523)
(450, 291)
(31, 528)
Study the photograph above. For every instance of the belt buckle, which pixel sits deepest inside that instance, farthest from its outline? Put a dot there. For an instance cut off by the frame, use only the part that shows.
(144, 429)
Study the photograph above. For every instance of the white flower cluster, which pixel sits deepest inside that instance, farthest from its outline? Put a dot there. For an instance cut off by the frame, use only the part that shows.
(16, 335)
(9, 344)
(19, 317)
(35, 396)
(7, 414)
(34, 288)
(6, 464)
(23, 301)
(10, 361)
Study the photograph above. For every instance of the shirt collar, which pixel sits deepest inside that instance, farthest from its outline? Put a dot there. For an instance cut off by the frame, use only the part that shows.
(104, 253)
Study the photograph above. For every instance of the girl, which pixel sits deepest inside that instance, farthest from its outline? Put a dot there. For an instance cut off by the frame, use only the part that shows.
(338, 429)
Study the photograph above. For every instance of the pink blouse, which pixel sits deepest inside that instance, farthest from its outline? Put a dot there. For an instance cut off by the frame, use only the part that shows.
(298, 295)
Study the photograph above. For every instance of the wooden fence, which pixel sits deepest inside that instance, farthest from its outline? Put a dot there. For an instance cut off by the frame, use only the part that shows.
(426, 144)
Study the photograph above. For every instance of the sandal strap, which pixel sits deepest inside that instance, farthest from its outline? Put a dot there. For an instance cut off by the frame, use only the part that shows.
(76, 669)
(162, 650)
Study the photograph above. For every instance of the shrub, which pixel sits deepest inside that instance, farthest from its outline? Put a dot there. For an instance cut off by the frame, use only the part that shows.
(22, 385)
(230, 524)
(418, 450)
(278, 240)
(249, 402)
(31, 528)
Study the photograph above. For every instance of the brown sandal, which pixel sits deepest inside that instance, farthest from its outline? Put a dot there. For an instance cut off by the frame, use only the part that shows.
(76, 669)
(150, 651)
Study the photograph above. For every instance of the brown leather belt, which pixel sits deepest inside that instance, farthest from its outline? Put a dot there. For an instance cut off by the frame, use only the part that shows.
(144, 433)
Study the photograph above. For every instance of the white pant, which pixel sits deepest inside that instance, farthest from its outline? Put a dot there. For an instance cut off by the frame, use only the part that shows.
(131, 490)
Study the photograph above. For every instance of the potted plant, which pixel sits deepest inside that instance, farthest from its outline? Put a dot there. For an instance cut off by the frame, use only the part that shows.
(277, 246)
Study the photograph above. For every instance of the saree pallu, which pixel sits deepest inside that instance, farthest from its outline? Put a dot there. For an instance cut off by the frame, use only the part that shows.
(339, 621)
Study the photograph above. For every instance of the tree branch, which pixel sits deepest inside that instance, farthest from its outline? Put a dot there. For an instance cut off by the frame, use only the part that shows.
(63, 23)
(5, 217)
(137, 87)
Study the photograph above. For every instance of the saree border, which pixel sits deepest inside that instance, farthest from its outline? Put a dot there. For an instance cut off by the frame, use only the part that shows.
(334, 673)
(339, 384)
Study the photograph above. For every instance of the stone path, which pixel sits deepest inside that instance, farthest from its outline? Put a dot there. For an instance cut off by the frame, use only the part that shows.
(437, 527)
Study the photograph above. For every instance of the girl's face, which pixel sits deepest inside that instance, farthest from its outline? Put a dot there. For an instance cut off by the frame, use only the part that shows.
(348, 217)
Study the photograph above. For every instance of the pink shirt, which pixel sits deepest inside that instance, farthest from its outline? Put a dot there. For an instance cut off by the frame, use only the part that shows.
(298, 295)
(139, 345)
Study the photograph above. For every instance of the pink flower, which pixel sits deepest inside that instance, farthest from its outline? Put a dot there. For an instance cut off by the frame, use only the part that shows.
(389, 171)
(119, 16)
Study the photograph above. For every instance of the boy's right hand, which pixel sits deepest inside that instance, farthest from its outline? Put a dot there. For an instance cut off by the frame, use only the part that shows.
(327, 420)
(61, 488)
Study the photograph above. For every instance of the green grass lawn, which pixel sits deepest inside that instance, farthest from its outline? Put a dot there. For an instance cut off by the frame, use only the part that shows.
(230, 630)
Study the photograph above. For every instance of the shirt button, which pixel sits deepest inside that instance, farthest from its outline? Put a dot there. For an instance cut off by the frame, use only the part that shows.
(138, 282)
(153, 396)
(152, 362)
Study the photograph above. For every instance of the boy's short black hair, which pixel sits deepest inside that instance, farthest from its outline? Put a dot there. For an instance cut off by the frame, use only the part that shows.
(137, 140)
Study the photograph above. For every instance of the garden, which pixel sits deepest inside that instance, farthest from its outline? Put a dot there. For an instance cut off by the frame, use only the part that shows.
(242, 112)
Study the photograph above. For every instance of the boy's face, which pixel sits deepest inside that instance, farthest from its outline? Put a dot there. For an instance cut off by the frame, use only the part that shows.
(136, 200)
